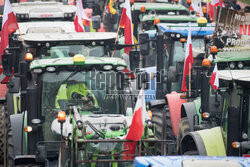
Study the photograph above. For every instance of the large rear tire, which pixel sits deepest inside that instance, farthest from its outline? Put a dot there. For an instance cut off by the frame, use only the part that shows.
(10, 149)
(161, 118)
(182, 130)
(4, 122)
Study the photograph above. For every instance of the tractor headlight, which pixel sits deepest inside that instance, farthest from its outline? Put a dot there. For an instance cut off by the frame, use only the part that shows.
(120, 68)
(107, 67)
(172, 35)
(240, 65)
(66, 15)
(178, 35)
(38, 70)
(22, 16)
(232, 65)
(70, 15)
(26, 16)
(50, 69)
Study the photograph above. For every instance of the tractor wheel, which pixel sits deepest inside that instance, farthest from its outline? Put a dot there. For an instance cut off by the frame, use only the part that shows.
(182, 130)
(161, 118)
(3, 130)
(10, 149)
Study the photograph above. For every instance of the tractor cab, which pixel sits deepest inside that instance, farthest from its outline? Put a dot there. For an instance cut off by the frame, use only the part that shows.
(41, 10)
(169, 46)
(56, 45)
(76, 112)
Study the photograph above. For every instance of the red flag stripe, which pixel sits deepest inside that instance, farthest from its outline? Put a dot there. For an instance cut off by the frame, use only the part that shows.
(188, 60)
(136, 128)
(80, 18)
(9, 26)
(126, 23)
(214, 81)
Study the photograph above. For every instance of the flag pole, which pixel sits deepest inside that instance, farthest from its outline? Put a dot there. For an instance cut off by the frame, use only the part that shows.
(117, 34)
(189, 81)
(21, 36)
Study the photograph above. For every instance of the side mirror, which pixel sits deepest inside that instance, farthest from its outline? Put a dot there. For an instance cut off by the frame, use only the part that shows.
(14, 84)
(134, 59)
(144, 44)
(143, 78)
(96, 22)
(7, 62)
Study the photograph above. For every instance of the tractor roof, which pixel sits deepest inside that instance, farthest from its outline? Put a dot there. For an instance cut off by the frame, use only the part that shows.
(157, 6)
(43, 9)
(231, 56)
(40, 39)
(90, 62)
(46, 27)
(170, 18)
(239, 75)
(182, 29)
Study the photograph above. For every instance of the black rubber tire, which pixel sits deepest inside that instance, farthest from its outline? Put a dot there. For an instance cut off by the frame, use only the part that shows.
(183, 128)
(191, 153)
(161, 118)
(3, 130)
(10, 150)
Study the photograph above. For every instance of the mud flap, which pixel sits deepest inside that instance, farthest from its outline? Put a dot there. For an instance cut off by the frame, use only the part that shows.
(17, 130)
(174, 105)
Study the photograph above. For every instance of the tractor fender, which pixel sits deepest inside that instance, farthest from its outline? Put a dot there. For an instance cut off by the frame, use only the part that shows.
(213, 141)
(208, 142)
(17, 130)
(192, 141)
(174, 105)
(188, 110)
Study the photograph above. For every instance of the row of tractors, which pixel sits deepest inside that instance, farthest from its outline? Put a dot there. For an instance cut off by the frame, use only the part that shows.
(69, 102)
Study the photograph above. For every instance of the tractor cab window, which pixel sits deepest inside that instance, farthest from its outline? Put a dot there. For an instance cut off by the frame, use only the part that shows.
(92, 92)
(71, 50)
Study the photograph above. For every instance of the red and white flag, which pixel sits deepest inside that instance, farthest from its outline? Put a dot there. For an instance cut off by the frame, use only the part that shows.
(214, 81)
(9, 25)
(188, 62)
(81, 18)
(217, 3)
(126, 23)
(136, 129)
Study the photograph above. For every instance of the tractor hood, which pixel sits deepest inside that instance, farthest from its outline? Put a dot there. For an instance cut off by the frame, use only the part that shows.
(106, 123)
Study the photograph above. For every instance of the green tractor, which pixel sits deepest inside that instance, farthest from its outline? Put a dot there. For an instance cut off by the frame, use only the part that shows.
(231, 137)
(167, 75)
(74, 113)
(211, 112)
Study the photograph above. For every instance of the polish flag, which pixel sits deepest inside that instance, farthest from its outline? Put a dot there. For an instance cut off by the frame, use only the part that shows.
(217, 3)
(214, 81)
(136, 129)
(188, 61)
(126, 23)
(81, 18)
(9, 25)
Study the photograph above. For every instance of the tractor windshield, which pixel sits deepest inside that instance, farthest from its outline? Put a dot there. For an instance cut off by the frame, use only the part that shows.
(92, 92)
(178, 57)
(71, 50)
